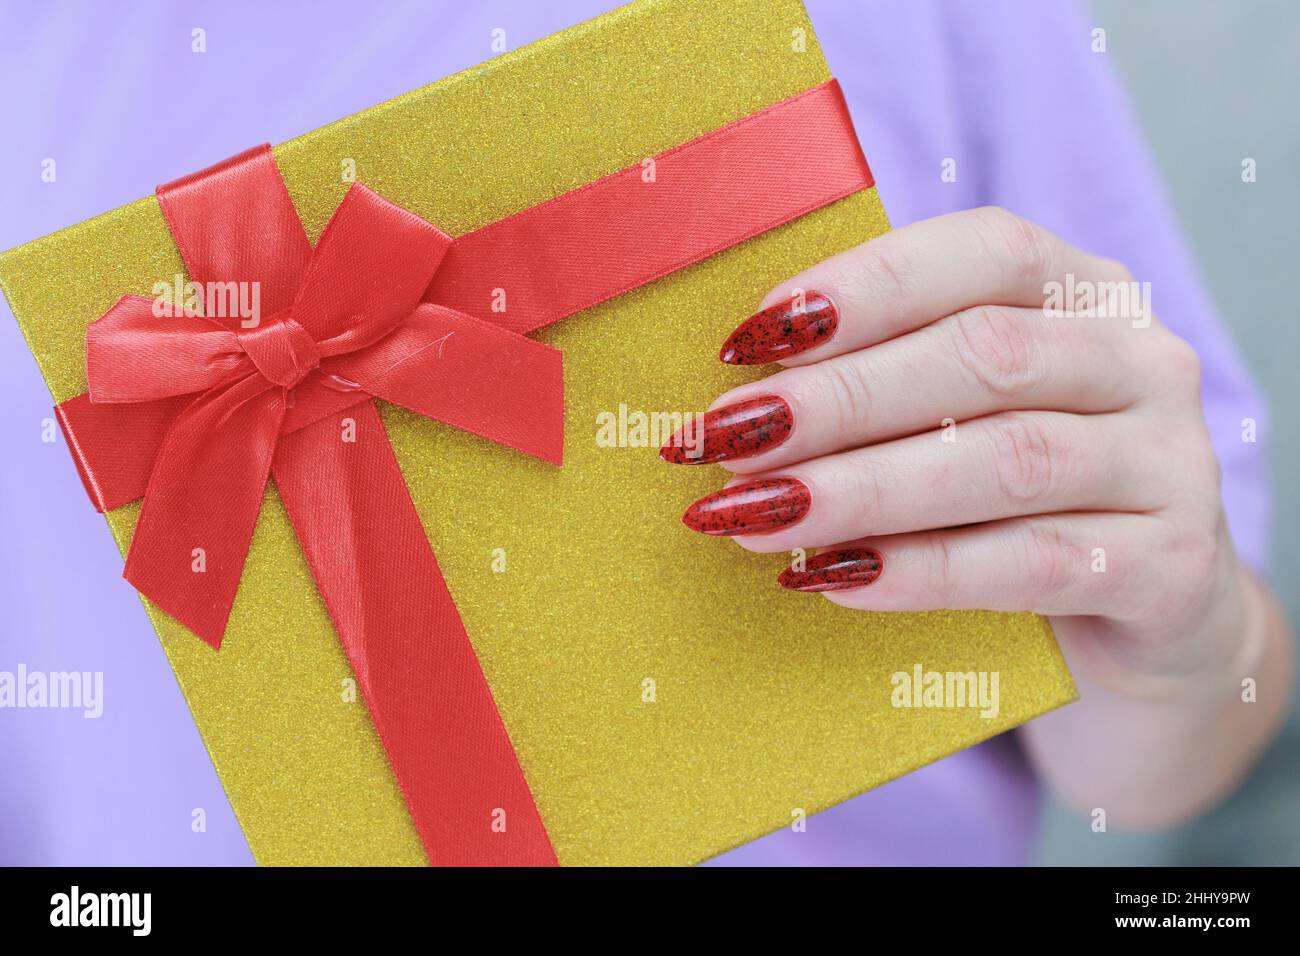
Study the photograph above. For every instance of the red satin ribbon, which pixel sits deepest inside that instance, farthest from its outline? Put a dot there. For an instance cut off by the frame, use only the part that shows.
(194, 413)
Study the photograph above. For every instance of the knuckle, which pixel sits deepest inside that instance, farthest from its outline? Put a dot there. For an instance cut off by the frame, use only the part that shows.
(888, 271)
(1021, 246)
(939, 561)
(1202, 554)
(996, 347)
(1112, 270)
(868, 493)
(1201, 547)
(1142, 349)
(1211, 469)
(1182, 468)
(1051, 559)
(1202, 470)
(1026, 463)
(846, 393)
(1180, 363)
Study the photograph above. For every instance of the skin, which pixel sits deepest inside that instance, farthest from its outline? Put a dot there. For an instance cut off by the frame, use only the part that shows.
(1073, 432)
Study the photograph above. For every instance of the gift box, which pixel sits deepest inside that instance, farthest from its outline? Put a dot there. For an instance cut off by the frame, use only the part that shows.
(595, 684)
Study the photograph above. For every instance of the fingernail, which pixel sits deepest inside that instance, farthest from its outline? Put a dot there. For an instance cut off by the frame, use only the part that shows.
(755, 507)
(834, 571)
(738, 430)
(782, 330)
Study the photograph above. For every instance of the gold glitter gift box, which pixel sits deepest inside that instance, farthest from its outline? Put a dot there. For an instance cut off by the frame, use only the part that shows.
(666, 699)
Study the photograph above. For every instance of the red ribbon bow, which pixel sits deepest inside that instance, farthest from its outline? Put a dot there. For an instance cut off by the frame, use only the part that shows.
(194, 412)
(290, 396)
(346, 323)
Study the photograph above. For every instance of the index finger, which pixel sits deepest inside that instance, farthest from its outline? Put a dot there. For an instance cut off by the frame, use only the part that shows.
(906, 279)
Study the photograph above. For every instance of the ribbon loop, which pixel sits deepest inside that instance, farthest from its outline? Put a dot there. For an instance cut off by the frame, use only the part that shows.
(472, 374)
(136, 355)
(373, 262)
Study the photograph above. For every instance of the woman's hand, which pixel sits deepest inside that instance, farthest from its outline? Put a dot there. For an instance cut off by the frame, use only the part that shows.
(975, 414)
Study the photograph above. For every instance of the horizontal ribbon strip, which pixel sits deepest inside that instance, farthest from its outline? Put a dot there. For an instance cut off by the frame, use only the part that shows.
(194, 413)
(615, 234)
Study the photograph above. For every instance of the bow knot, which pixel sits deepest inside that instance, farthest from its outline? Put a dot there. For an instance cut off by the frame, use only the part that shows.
(281, 349)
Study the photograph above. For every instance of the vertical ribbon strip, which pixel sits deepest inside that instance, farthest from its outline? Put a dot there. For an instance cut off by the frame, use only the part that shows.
(347, 499)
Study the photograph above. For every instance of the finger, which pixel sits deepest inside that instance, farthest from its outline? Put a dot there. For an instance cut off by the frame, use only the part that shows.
(1001, 466)
(977, 362)
(1061, 564)
(905, 279)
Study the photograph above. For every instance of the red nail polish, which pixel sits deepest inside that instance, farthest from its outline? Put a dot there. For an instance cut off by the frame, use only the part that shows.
(738, 430)
(782, 330)
(835, 571)
(755, 507)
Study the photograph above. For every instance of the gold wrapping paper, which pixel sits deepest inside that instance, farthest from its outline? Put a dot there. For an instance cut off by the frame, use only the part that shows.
(667, 700)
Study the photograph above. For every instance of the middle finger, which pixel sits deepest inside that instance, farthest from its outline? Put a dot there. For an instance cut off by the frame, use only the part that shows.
(1001, 466)
(974, 363)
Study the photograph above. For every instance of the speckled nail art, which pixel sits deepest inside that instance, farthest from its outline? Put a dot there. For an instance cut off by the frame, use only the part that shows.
(756, 507)
(738, 430)
(782, 330)
(835, 571)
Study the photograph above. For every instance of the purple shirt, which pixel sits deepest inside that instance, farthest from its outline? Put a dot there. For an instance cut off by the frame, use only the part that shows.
(1011, 91)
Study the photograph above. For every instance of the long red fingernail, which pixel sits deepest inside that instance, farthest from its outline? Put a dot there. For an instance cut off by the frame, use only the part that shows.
(835, 571)
(755, 507)
(737, 430)
(779, 331)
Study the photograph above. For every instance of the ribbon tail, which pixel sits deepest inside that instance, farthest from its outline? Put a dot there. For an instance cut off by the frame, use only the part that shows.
(367, 272)
(202, 502)
(427, 695)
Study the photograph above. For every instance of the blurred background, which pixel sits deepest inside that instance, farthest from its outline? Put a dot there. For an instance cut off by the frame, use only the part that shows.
(1215, 82)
